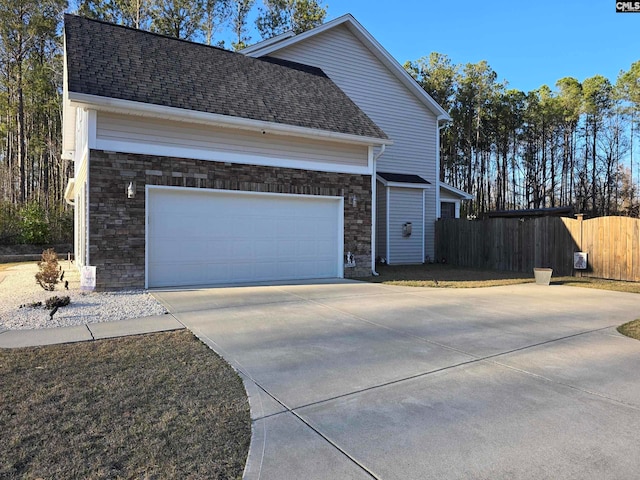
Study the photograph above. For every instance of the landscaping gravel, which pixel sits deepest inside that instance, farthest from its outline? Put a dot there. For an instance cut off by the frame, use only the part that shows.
(19, 291)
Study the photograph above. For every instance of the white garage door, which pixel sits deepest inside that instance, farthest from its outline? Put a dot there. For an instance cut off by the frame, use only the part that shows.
(197, 237)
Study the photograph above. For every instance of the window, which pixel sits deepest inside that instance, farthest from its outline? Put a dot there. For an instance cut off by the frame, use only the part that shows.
(447, 210)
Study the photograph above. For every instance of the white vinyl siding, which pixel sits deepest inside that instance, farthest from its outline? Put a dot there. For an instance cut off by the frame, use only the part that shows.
(381, 222)
(405, 205)
(202, 237)
(377, 91)
(448, 196)
(430, 221)
(144, 135)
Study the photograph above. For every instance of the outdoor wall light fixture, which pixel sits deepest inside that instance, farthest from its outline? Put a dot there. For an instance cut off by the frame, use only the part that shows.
(354, 200)
(131, 190)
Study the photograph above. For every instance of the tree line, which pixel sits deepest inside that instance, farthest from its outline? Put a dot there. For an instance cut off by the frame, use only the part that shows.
(568, 146)
(206, 21)
(510, 149)
(33, 175)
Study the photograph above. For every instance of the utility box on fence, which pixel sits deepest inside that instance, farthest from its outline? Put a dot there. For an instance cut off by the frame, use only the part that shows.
(580, 260)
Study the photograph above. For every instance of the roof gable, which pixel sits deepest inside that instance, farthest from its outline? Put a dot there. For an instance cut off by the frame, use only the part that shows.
(287, 39)
(112, 61)
(456, 192)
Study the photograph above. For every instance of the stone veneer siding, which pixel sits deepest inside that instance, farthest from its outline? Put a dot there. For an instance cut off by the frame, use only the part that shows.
(117, 223)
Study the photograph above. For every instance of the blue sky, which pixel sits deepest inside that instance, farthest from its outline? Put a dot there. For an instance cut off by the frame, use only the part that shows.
(529, 44)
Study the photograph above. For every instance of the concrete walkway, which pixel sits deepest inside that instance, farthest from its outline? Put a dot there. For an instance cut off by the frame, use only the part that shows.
(92, 331)
(352, 380)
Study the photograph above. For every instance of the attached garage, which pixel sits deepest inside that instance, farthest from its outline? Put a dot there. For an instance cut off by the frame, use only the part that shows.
(207, 237)
(217, 169)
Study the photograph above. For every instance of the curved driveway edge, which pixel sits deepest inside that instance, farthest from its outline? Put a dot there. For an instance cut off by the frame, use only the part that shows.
(358, 380)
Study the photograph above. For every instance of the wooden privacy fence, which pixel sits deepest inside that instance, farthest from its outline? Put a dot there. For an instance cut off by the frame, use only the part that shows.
(519, 245)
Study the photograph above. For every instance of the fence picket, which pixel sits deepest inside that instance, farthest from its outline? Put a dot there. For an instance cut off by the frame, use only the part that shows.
(512, 244)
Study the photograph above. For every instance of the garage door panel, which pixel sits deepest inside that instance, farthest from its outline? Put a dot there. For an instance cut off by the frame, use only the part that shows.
(240, 250)
(263, 248)
(165, 248)
(216, 273)
(174, 271)
(209, 237)
(286, 248)
(325, 249)
(263, 225)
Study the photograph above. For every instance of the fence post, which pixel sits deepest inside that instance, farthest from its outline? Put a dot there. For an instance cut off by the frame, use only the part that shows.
(580, 217)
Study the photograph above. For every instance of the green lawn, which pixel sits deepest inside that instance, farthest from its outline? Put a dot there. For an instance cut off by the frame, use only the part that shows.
(149, 406)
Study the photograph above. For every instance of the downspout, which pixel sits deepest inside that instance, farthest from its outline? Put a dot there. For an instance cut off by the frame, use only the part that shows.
(374, 200)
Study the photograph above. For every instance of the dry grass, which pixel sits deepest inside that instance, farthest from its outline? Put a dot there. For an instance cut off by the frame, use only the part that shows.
(615, 285)
(6, 266)
(439, 275)
(447, 276)
(151, 406)
(631, 329)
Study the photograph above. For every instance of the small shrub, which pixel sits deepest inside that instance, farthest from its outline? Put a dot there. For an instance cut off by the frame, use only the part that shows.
(47, 277)
(57, 302)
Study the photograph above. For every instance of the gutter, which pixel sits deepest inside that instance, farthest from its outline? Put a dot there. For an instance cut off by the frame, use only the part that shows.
(374, 199)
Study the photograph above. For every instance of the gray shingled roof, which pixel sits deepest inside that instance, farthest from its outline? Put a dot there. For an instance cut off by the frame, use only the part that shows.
(119, 62)
(402, 178)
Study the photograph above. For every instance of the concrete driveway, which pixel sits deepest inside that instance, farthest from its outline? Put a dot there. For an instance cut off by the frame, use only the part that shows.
(352, 380)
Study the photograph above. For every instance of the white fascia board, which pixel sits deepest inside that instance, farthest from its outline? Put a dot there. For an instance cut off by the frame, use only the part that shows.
(265, 48)
(129, 107)
(419, 186)
(455, 191)
(370, 42)
(70, 191)
(68, 129)
(67, 155)
(231, 157)
(386, 183)
(266, 43)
